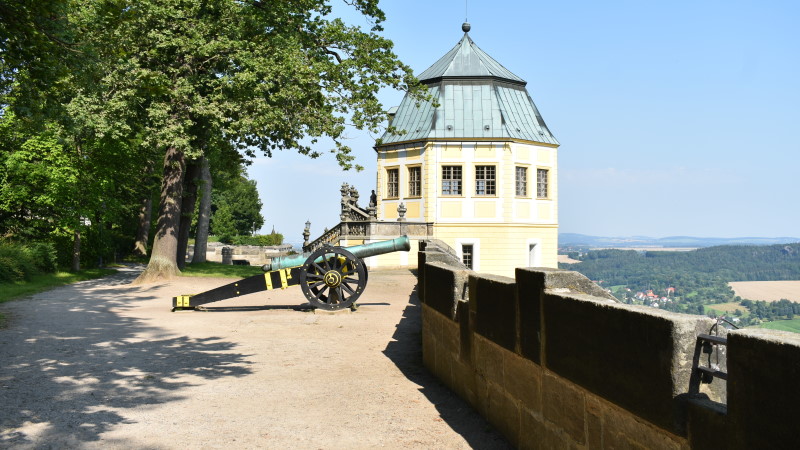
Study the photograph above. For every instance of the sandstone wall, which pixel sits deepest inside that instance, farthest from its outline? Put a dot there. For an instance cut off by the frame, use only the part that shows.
(255, 255)
(553, 362)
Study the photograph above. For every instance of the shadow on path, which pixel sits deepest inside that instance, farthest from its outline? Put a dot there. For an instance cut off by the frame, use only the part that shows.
(406, 353)
(69, 362)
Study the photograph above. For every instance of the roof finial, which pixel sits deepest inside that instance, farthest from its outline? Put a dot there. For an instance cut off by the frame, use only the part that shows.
(465, 27)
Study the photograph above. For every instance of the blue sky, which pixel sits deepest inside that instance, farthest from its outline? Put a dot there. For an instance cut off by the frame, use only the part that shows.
(675, 118)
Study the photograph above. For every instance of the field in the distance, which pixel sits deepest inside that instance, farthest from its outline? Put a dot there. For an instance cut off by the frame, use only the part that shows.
(770, 291)
(783, 325)
(567, 260)
(729, 308)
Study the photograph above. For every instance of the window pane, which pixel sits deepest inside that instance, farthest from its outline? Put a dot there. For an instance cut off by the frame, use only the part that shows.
(414, 182)
(522, 181)
(451, 180)
(466, 255)
(541, 183)
(485, 180)
(392, 183)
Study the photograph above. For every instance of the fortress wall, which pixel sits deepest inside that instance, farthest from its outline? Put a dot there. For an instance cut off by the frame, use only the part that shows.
(552, 362)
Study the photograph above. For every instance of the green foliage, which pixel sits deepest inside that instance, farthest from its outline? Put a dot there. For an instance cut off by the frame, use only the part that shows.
(259, 239)
(264, 75)
(20, 262)
(50, 190)
(782, 309)
(783, 325)
(235, 206)
(223, 224)
(34, 36)
(95, 93)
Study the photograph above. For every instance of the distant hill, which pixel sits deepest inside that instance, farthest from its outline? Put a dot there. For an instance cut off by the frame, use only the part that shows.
(583, 240)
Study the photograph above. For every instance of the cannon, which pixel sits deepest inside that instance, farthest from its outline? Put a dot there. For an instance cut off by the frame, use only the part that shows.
(331, 278)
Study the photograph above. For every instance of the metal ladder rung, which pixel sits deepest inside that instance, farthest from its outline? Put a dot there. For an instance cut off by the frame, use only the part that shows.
(714, 373)
(714, 339)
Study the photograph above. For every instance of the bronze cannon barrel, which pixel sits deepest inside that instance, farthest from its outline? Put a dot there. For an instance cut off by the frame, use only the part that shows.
(362, 251)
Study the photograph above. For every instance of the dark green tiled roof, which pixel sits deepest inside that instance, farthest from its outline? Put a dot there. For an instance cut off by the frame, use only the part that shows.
(467, 60)
(478, 98)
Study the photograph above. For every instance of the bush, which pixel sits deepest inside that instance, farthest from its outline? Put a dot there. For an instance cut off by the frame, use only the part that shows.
(19, 262)
(261, 240)
(44, 256)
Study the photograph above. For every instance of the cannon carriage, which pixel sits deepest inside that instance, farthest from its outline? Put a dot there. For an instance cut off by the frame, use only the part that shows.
(331, 278)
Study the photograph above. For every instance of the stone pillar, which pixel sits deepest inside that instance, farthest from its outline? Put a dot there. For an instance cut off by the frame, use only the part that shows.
(345, 202)
(227, 256)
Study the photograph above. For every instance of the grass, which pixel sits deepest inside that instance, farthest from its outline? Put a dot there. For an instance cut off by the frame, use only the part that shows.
(726, 308)
(44, 282)
(783, 325)
(211, 269)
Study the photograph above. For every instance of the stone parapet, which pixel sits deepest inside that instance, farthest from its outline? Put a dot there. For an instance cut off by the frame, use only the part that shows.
(553, 362)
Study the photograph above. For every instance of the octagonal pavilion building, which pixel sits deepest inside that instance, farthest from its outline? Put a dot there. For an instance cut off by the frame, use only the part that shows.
(481, 167)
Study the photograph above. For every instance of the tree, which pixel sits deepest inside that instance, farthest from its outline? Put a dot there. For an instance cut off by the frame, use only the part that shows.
(48, 58)
(264, 75)
(34, 37)
(259, 75)
(238, 198)
(53, 189)
(204, 213)
(224, 224)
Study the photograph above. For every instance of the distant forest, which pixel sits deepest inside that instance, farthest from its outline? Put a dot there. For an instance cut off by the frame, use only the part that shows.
(699, 277)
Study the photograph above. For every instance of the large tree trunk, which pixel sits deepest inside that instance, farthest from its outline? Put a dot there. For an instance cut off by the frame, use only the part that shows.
(143, 232)
(204, 215)
(163, 264)
(76, 250)
(187, 210)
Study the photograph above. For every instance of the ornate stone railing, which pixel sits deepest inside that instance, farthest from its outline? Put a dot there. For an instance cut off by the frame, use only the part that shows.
(371, 230)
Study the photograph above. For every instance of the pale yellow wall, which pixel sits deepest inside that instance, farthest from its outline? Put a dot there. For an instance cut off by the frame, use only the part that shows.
(401, 158)
(503, 224)
(523, 211)
(484, 151)
(452, 151)
(390, 210)
(502, 248)
(485, 209)
(394, 259)
(429, 174)
(452, 209)
(413, 210)
(506, 184)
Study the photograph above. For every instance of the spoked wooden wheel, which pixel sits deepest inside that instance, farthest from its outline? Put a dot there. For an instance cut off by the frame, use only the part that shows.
(333, 278)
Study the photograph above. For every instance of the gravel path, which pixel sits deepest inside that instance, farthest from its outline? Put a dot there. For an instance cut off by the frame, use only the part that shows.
(105, 364)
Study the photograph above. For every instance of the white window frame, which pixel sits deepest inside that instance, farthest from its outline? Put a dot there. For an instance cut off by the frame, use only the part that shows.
(537, 252)
(488, 183)
(476, 251)
(451, 180)
(526, 171)
(410, 169)
(546, 183)
(389, 183)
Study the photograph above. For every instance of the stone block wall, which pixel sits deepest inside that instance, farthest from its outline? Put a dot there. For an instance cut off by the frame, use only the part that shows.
(255, 255)
(553, 362)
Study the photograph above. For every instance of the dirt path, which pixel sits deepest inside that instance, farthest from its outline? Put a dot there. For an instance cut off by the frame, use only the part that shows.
(105, 364)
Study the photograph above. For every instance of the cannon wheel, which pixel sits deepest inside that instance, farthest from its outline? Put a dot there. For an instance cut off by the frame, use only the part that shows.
(335, 280)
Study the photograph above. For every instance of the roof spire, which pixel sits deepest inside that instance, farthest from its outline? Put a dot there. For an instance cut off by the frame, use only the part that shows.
(465, 26)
